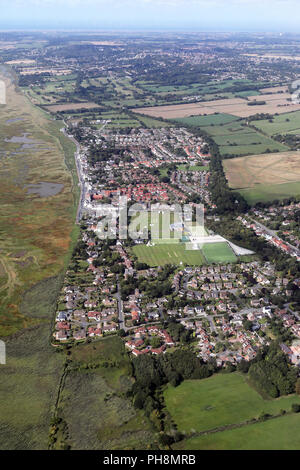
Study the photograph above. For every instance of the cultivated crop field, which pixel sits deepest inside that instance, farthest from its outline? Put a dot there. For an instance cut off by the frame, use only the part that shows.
(265, 177)
(276, 168)
(282, 124)
(71, 106)
(273, 103)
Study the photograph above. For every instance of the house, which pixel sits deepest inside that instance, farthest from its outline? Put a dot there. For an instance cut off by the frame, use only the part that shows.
(61, 335)
(78, 335)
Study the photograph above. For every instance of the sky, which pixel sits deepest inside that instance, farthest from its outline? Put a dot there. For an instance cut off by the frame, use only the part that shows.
(181, 15)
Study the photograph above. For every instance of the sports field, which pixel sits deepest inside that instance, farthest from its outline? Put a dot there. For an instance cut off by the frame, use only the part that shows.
(218, 253)
(220, 400)
(161, 254)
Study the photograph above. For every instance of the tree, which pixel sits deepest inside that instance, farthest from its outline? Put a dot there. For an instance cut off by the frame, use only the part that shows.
(298, 386)
(295, 408)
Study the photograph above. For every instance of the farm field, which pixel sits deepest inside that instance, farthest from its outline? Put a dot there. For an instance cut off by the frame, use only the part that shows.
(36, 232)
(71, 106)
(233, 136)
(162, 254)
(218, 253)
(273, 168)
(282, 124)
(274, 103)
(270, 192)
(220, 400)
(205, 121)
(281, 433)
(209, 90)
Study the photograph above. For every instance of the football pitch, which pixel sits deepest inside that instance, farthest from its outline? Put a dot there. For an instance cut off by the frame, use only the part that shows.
(176, 253)
(218, 253)
(171, 253)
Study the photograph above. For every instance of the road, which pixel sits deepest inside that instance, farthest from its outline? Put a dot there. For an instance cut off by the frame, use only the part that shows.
(274, 234)
(120, 307)
(81, 183)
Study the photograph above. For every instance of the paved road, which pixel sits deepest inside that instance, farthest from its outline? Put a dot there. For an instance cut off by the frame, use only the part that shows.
(120, 307)
(274, 234)
(79, 173)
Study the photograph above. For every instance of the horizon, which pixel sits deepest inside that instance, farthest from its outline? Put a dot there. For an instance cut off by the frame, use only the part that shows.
(252, 16)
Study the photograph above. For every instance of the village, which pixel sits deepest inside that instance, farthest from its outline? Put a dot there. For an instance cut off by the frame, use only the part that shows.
(226, 311)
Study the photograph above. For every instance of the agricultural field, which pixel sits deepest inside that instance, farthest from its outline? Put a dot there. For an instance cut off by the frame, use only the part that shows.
(36, 231)
(281, 433)
(71, 107)
(270, 192)
(282, 124)
(205, 121)
(104, 419)
(218, 253)
(271, 103)
(264, 176)
(221, 400)
(174, 253)
(210, 90)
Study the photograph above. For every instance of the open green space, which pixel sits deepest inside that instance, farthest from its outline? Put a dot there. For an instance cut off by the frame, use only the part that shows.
(93, 402)
(218, 253)
(205, 121)
(270, 192)
(161, 254)
(193, 168)
(281, 124)
(220, 400)
(29, 385)
(281, 433)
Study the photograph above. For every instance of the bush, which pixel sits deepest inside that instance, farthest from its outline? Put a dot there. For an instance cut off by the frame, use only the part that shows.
(295, 408)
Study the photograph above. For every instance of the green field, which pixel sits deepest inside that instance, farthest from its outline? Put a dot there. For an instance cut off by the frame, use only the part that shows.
(282, 124)
(218, 253)
(93, 401)
(270, 192)
(168, 254)
(220, 400)
(276, 434)
(233, 136)
(205, 121)
(29, 384)
(193, 168)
